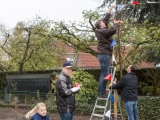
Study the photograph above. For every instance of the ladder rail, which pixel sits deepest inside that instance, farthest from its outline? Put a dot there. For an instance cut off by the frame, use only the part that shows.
(106, 106)
(97, 106)
(107, 101)
(94, 108)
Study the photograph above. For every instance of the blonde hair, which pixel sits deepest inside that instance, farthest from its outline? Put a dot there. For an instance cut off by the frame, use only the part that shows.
(34, 110)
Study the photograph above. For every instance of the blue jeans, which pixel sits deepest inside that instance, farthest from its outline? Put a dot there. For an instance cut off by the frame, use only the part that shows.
(131, 109)
(104, 61)
(66, 116)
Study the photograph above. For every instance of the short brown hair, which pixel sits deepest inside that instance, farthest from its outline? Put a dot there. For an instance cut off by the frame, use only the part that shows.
(97, 24)
(133, 68)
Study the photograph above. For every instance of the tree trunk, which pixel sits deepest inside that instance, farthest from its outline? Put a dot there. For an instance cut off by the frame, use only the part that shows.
(21, 68)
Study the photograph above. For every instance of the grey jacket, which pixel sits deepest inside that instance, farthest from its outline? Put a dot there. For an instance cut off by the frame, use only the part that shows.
(65, 98)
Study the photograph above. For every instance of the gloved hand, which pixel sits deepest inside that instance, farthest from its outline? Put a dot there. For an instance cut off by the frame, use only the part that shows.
(75, 89)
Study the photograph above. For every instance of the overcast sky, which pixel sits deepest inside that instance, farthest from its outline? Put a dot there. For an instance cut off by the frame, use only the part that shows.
(12, 11)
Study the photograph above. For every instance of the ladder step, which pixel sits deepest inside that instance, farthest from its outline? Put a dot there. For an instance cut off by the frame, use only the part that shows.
(101, 98)
(97, 115)
(98, 106)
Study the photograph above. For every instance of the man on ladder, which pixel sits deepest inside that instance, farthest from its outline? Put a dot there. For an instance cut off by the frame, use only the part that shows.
(105, 50)
(103, 34)
(105, 108)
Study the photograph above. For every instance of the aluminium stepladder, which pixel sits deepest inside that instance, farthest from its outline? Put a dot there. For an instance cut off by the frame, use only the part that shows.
(106, 108)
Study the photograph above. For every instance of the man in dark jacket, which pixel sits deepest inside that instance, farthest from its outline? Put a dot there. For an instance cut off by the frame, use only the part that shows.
(128, 85)
(65, 93)
(103, 34)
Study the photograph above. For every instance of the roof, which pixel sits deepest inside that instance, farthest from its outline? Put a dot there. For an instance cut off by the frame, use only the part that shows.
(145, 65)
(86, 60)
(82, 59)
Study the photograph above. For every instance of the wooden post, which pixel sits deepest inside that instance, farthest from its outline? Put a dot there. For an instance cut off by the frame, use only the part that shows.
(115, 103)
(119, 46)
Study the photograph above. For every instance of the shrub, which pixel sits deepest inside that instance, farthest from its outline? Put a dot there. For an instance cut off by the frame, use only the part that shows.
(88, 92)
(149, 108)
(158, 91)
(144, 89)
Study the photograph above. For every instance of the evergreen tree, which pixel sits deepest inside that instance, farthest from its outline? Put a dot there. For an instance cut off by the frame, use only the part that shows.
(141, 10)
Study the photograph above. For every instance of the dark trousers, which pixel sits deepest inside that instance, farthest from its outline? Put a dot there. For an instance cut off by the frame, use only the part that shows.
(66, 116)
(104, 61)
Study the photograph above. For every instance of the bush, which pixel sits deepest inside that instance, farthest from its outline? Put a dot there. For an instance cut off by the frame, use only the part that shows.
(144, 89)
(158, 91)
(85, 98)
(149, 108)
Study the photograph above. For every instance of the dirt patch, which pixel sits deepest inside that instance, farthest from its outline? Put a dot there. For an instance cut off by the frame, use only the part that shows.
(19, 114)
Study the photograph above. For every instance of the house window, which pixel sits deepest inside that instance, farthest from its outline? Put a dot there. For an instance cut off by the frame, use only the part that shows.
(158, 65)
(70, 60)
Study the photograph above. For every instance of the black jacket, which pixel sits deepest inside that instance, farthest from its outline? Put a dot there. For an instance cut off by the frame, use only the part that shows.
(128, 85)
(39, 117)
(104, 37)
(64, 96)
